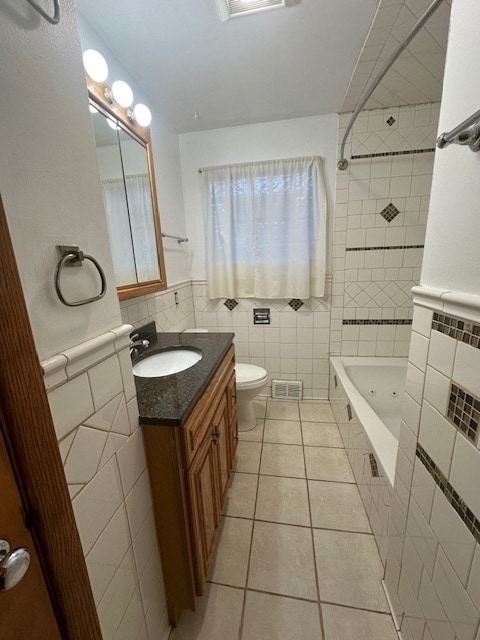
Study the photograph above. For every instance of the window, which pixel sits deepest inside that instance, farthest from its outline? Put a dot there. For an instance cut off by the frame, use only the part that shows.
(266, 229)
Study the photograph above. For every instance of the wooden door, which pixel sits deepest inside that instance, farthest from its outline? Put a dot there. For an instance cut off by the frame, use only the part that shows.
(33, 454)
(26, 609)
(221, 439)
(205, 510)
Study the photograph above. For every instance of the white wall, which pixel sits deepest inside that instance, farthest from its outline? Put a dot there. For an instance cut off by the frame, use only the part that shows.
(452, 259)
(48, 174)
(165, 159)
(266, 141)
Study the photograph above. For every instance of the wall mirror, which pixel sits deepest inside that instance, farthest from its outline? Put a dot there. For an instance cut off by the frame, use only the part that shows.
(126, 171)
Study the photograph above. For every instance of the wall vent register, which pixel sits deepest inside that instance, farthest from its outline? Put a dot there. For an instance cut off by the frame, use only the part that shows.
(290, 389)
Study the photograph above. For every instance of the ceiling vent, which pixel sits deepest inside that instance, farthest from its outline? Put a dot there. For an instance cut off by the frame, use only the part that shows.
(237, 8)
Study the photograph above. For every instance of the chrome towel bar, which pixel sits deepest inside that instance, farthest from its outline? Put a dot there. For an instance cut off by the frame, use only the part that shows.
(466, 133)
(72, 256)
(179, 239)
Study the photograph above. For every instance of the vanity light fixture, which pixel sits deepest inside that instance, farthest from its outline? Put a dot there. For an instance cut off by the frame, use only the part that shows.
(122, 93)
(141, 115)
(119, 93)
(95, 65)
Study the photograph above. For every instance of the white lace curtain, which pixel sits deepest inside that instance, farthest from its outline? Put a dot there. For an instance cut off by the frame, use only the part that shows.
(130, 229)
(266, 229)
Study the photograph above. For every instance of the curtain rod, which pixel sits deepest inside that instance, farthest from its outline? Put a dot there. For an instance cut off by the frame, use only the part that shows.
(342, 164)
(246, 164)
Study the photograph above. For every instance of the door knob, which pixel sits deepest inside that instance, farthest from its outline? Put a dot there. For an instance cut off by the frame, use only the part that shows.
(13, 565)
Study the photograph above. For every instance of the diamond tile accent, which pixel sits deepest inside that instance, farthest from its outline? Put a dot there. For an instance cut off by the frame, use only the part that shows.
(390, 212)
(378, 294)
(391, 121)
(295, 303)
(464, 411)
(230, 303)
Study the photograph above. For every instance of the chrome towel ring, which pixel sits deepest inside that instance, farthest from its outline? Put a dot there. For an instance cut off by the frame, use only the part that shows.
(72, 256)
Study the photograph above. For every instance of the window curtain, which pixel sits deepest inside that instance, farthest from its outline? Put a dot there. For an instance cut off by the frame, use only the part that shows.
(130, 229)
(266, 229)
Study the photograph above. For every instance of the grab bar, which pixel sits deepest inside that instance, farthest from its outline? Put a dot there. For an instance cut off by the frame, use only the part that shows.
(342, 164)
(466, 133)
(179, 239)
(72, 256)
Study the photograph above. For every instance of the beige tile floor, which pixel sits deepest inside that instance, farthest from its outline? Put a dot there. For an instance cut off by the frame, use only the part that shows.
(296, 558)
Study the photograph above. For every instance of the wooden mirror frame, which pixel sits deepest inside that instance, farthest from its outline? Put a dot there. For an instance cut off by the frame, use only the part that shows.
(98, 92)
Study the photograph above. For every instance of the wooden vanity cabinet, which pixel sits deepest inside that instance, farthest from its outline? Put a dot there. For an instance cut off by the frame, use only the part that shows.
(189, 470)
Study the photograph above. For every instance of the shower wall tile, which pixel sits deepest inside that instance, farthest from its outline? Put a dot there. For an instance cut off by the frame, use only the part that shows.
(374, 280)
(440, 542)
(96, 420)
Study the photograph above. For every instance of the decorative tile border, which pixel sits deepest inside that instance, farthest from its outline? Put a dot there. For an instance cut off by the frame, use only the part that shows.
(464, 411)
(468, 517)
(373, 466)
(462, 330)
(392, 153)
(389, 248)
(73, 361)
(347, 322)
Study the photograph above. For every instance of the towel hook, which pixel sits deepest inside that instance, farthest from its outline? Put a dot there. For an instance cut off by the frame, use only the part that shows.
(72, 256)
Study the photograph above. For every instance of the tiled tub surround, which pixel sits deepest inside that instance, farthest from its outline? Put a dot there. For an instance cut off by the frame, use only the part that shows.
(376, 258)
(371, 445)
(92, 398)
(433, 561)
(296, 557)
(294, 346)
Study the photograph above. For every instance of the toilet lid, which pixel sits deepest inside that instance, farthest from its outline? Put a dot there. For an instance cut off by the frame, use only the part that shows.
(245, 373)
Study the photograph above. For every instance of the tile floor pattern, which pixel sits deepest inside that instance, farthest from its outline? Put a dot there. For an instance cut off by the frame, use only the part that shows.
(296, 557)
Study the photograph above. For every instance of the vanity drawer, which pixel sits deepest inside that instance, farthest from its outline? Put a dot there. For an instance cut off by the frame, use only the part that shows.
(201, 417)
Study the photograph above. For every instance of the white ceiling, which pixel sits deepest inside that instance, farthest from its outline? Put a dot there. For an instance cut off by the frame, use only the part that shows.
(311, 58)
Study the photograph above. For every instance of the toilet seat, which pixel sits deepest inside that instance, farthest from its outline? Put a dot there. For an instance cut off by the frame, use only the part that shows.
(249, 375)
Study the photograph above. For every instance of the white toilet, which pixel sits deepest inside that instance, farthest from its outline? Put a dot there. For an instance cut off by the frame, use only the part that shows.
(250, 380)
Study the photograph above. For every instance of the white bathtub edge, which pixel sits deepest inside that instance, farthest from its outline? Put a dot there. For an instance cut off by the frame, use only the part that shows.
(381, 439)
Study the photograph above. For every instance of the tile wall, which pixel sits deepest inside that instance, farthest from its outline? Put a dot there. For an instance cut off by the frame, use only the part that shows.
(172, 309)
(92, 398)
(379, 228)
(433, 561)
(294, 346)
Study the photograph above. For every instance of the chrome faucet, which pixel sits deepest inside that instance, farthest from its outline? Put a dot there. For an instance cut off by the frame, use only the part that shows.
(136, 343)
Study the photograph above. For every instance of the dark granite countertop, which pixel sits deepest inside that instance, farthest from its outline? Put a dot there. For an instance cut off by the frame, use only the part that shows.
(169, 400)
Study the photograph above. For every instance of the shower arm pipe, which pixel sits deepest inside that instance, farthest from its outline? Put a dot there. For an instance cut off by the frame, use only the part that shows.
(343, 162)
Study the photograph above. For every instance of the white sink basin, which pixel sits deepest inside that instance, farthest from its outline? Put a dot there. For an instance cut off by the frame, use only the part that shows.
(167, 362)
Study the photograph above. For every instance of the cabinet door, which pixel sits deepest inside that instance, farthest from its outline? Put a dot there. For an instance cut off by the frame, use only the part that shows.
(221, 438)
(205, 506)
(232, 416)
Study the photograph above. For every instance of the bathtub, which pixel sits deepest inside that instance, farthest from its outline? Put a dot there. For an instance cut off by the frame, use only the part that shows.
(373, 388)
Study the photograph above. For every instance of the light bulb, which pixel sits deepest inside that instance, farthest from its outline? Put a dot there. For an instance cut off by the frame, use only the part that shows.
(122, 93)
(113, 125)
(142, 115)
(95, 65)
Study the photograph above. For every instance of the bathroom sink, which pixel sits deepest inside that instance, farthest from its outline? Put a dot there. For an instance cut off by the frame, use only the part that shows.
(167, 362)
